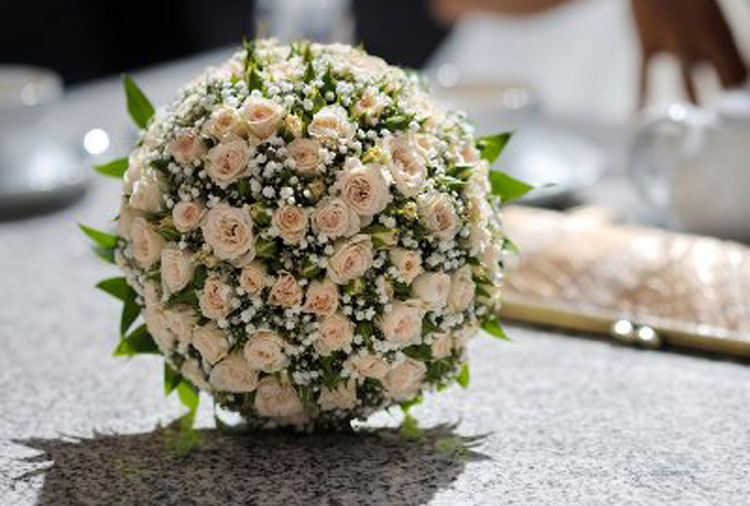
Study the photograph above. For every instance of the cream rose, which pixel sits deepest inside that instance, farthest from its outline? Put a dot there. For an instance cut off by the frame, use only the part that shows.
(181, 323)
(227, 162)
(147, 193)
(432, 289)
(275, 399)
(285, 291)
(156, 323)
(215, 297)
(350, 259)
(331, 123)
(407, 168)
(262, 116)
(125, 221)
(186, 216)
(336, 333)
(186, 147)
(233, 375)
(335, 218)
(368, 366)
(265, 351)
(136, 165)
(363, 187)
(306, 156)
(322, 298)
(147, 244)
(253, 278)
(344, 396)
(176, 269)
(372, 103)
(441, 345)
(225, 123)
(192, 371)
(210, 342)
(229, 232)
(439, 216)
(404, 380)
(403, 324)
(462, 289)
(291, 223)
(407, 261)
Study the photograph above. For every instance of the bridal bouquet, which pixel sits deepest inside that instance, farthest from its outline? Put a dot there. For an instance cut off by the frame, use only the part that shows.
(308, 236)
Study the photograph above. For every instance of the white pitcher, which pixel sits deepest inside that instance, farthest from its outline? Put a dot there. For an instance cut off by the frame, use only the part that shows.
(692, 165)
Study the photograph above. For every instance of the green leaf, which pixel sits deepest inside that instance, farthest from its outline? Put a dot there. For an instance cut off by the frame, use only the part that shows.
(407, 405)
(309, 74)
(169, 233)
(136, 343)
(117, 287)
(493, 328)
(398, 122)
(463, 375)
(188, 394)
(115, 168)
(254, 81)
(481, 292)
(490, 146)
(510, 247)
(139, 107)
(421, 352)
(106, 254)
(410, 429)
(130, 312)
(101, 239)
(428, 327)
(171, 379)
(507, 187)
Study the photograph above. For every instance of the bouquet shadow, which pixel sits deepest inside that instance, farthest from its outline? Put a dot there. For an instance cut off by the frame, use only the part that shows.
(212, 467)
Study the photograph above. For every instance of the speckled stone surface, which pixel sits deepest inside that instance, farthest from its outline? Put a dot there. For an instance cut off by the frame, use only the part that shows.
(565, 419)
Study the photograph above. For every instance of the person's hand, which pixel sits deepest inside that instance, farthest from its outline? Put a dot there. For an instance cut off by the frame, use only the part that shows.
(693, 31)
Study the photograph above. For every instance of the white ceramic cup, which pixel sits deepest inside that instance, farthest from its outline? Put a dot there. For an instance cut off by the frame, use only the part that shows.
(692, 166)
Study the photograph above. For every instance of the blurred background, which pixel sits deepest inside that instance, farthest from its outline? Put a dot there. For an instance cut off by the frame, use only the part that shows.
(601, 92)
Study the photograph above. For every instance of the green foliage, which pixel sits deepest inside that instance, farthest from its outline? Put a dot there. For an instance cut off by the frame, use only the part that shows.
(171, 379)
(421, 352)
(410, 429)
(119, 288)
(115, 168)
(428, 327)
(139, 107)
(492, 327)
(188, 394)
(490, 146)
(463, 375)
(407, 405)
(508, 188)
(137, 342)
(104, 244)
(101, 239)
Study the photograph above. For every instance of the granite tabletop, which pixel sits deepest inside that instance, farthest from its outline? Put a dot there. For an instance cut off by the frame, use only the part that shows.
(555, 418)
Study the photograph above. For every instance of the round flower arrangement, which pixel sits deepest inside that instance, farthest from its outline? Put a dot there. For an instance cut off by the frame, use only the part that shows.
(307, 234)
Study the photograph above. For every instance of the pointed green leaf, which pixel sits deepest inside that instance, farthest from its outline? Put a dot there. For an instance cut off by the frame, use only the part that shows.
(188, 394)
(139, 107)
(421, 352)
(117, 287)
(101, 239)
(171, 379)
(407, 405)
(490, 146)
(115, 168)
(463, 375)
(493, 328)
(136, 343)
(507, 187)
(130, 312)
